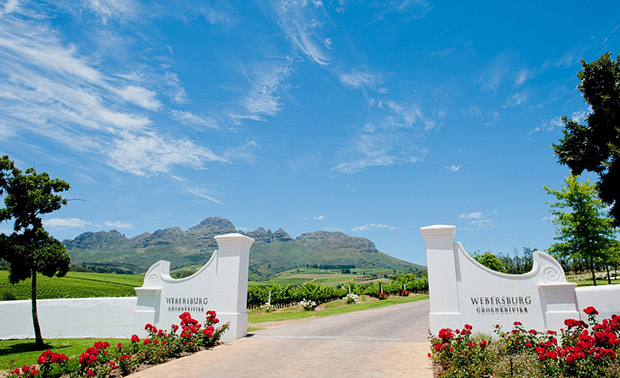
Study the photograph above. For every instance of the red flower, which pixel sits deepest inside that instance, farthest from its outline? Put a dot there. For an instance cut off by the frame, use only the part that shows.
(517, 323)
(135, 339)
(467, 326)
(590, 311)
(119, 345)
(34, 371)
(429, 354)
(90, 373)
(42, 358)
(147, 341)
(16, 371)
(25, 369)
(208, 331)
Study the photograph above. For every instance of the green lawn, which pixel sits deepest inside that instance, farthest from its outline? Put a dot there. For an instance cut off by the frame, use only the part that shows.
(73, 285)
(591, 283)
(16, 353)
(331, 308)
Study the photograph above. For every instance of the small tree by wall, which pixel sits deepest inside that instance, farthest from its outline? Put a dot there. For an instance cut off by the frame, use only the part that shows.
(583, 233)
(30, 249)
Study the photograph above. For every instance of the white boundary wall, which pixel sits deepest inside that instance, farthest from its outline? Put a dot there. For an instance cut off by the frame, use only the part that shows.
(464, 291)
(220, 285)
(79, 317)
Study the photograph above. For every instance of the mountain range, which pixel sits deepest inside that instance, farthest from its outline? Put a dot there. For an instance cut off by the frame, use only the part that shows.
(271, 253)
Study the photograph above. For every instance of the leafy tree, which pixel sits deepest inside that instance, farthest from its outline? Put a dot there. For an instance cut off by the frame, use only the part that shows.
(490, 261)
(30, 249)
(583, 233)
(595, 146)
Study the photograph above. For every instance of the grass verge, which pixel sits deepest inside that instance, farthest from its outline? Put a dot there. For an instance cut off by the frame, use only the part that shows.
(328, 309)
(23, 352)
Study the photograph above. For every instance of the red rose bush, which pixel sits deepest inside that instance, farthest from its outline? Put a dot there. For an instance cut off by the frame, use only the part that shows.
(580, 350)
(102, 360)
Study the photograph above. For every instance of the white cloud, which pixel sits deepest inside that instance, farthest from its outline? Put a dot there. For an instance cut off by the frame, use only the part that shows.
(50, 90)
(203, 193)
(245, 152)
(548, 126)
(522, 76)
(393, 139)
(266, 79)
(515, 99)
(6, 132)
(10, 6)
(66, 223)
(472, 215)
(320, 217)
(358, 79)
(118, 224)
(482, 223)
(494, 73)
(302, 21)
(147, 154)
(140, 96)
(176, 92)
(453, 167)
(189, 118)
(373, 226)
(112, 9)
(477, 220)
(578, 116)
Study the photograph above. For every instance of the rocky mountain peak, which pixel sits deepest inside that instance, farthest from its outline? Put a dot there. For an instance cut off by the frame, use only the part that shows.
(213, 225)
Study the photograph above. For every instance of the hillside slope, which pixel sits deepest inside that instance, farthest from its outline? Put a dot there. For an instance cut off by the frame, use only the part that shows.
(272, 252)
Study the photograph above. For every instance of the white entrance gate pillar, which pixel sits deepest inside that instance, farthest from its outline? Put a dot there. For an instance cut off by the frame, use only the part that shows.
(442, 276)
(220, 285)
(464, 291)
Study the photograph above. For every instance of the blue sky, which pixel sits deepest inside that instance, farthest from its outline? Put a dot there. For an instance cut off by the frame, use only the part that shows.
(373, 118)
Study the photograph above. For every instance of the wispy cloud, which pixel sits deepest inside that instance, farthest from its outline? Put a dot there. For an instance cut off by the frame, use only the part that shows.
(189, 118)
(266, 79)
(49, 89)
(477, 220)
(320, 218)
(142, 97)
(522, 76)
(301, 22)
(472, 215)
(149, 153)
(118, 224)
(112, 9)
(373, 226)
(452, 168)
(203, 193)
(360, 79)
(556, 122)
(66, 223)
(494, 73)
(515, 99)
(393, 139)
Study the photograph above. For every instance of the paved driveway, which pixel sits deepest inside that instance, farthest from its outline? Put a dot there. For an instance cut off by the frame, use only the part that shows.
(384, 342)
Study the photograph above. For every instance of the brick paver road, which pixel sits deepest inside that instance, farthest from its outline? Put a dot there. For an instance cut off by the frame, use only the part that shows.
(384, 342)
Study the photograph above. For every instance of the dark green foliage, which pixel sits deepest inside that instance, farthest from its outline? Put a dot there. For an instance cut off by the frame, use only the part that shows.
(595, 146)
(30, 249)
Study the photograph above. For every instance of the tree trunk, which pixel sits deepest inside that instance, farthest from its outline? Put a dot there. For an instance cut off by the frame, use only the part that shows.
(35, 318)
(608, 277)
(593, 275)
